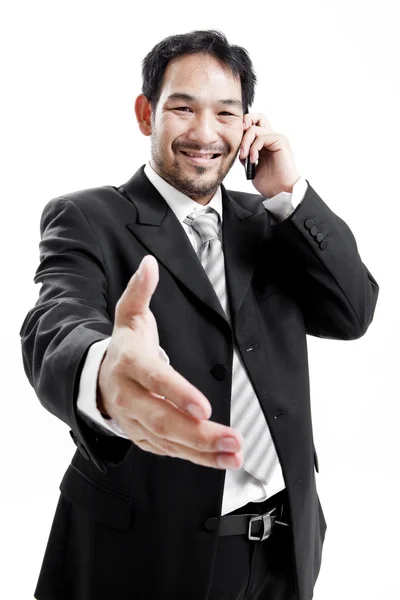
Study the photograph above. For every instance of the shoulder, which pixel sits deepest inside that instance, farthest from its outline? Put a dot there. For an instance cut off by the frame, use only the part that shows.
(88, 197)
(92, 202)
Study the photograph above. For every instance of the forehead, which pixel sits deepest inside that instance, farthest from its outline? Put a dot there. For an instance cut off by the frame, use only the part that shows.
(201, 75)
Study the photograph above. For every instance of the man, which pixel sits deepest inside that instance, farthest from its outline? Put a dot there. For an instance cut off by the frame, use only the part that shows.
(173, 315)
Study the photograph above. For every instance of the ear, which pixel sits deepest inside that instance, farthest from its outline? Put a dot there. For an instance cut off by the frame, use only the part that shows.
(143, 114)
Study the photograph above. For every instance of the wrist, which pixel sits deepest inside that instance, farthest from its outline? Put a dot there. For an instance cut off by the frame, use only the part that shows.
(99, 395)
(100, 404)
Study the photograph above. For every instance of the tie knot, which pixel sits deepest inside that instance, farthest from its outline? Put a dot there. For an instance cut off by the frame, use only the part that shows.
(205, 223)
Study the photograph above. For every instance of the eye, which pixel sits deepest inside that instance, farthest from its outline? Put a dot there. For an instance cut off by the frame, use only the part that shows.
(224, 112)
(184, 108)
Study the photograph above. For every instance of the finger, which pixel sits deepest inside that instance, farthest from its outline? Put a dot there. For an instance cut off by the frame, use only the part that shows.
(149, 447)
(257, 138)
(256, 119)
(161, 419)
(253, 119)
(205, 460)
(159, 377)
(144, 437)
(136, 297)
(247, 139)
(255, 148)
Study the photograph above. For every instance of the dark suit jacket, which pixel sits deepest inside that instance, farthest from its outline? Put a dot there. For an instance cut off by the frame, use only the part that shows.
(130, 524)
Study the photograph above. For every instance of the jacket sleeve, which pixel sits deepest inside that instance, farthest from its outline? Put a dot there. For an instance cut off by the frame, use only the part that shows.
(324, 272)
(283, 204)
(68, 317)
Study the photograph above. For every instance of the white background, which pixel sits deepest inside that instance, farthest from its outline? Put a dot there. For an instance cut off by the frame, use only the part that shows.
(329, 80)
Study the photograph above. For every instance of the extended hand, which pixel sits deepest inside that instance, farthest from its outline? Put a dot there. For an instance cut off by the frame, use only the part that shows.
(146, 396)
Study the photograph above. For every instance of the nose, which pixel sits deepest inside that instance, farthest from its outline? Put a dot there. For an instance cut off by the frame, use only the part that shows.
(204, 130)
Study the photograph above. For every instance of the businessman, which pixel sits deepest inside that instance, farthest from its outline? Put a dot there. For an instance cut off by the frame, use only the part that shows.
(170, 336)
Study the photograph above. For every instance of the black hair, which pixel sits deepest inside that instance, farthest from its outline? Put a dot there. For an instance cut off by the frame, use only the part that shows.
(211, 42)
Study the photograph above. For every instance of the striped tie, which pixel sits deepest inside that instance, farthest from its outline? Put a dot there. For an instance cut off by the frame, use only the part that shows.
(259, 454)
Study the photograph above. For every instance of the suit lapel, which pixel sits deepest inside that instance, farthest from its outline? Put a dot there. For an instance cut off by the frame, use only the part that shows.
(158, 229)
(244, 233)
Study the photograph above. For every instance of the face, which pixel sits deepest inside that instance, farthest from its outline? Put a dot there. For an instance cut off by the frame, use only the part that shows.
(197, 127)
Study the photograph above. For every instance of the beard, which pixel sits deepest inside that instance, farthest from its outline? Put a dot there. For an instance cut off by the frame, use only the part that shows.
(194, 186)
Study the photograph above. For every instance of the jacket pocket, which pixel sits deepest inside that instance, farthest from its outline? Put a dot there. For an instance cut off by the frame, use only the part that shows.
(102, 505)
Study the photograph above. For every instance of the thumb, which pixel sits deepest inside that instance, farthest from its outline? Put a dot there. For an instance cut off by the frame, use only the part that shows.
(137, 295)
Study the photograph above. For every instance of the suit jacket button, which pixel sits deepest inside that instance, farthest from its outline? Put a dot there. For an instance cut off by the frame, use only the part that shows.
(219, 372)
(308, 224)
(320, 237)
(211, 523)
(323, 244)
(314, 231)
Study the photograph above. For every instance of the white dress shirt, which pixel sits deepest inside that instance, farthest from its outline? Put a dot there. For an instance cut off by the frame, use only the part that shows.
(240, 487)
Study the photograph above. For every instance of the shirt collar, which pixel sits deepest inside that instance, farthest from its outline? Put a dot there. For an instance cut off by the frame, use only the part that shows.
(179, 203)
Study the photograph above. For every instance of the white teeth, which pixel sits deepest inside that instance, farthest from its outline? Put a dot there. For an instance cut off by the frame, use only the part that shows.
(199, 155)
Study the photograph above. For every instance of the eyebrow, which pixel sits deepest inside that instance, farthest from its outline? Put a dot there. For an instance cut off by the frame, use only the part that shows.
(190, 98)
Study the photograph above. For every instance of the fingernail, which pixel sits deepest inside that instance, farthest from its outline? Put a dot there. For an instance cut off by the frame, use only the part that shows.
(196, 411)
(228, 444)
(226, 462)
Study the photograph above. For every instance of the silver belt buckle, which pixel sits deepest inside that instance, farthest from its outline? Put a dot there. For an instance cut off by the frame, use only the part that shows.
(268, 520)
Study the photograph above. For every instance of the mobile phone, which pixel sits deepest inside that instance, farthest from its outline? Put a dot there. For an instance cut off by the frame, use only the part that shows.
(250, 168)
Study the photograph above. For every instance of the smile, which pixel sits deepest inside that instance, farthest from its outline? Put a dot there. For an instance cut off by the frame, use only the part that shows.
(200, 159)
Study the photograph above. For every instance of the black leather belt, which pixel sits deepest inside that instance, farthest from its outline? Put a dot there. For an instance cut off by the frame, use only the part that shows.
(257, 527)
